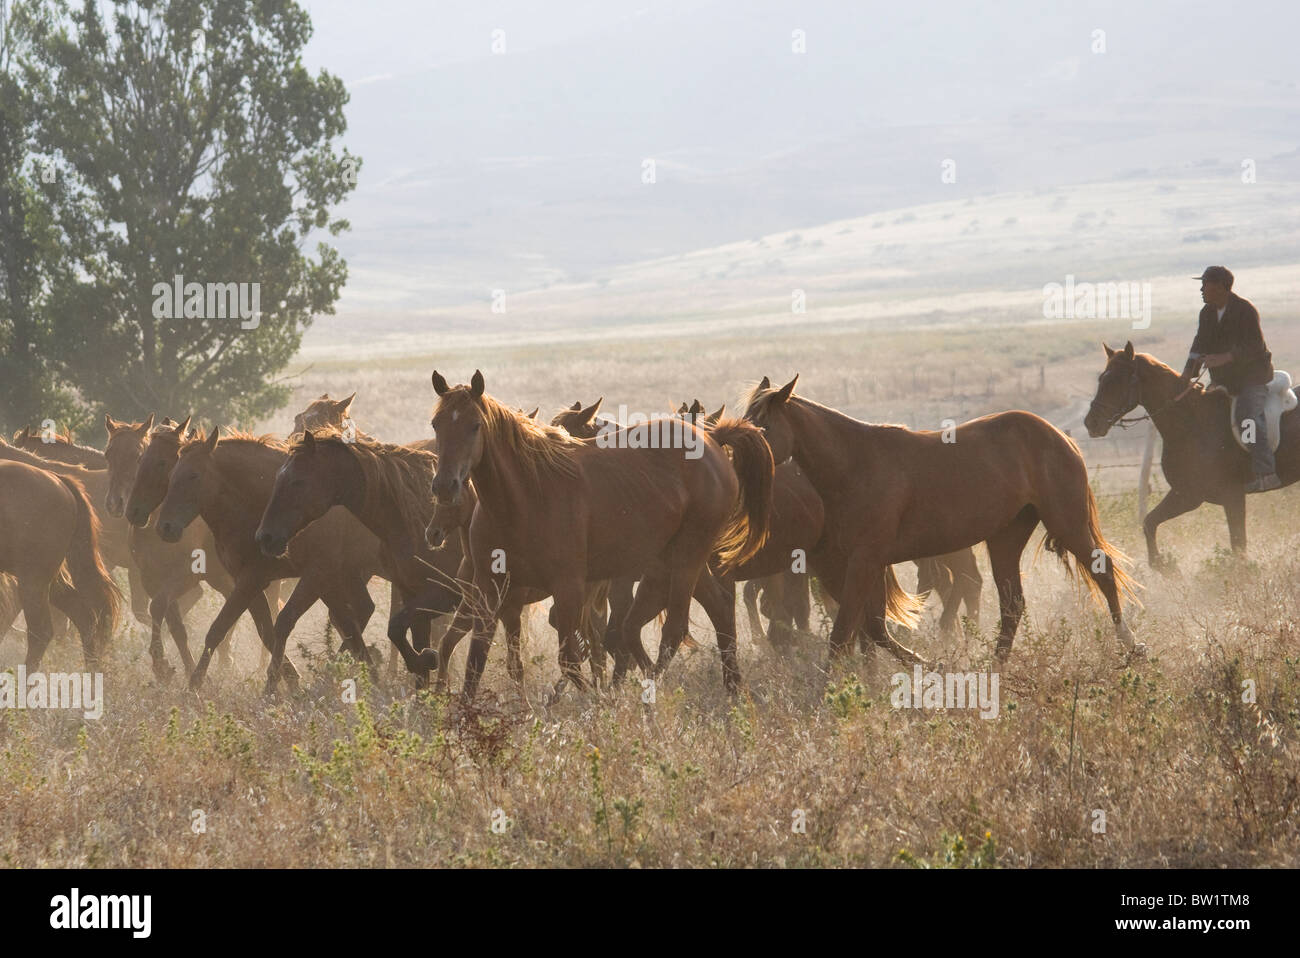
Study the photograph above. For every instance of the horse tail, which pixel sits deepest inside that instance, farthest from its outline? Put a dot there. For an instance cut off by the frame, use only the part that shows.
(1114, 558)
(751, 457)
(900, 605)
(86, 568)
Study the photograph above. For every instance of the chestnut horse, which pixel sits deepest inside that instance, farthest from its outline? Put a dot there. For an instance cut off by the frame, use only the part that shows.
(387, 488)
(1201, 461)
(114, 537)
(46, 525)
(228, 484)
(892, 494)
(170, 571)
(606, 512)
(714, 595)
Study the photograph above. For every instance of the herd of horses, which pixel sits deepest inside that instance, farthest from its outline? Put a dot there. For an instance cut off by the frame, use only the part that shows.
(500, 511)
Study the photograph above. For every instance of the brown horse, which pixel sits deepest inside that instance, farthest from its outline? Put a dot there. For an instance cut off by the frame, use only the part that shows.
(114, 550)
(170, 572)
(609, 511)
(114, 538)
(325, 413)
(710, 591)
(387, 488)
(47, 525)
(228, 484)
(892, 494)
(1201, 461)
(798, 517)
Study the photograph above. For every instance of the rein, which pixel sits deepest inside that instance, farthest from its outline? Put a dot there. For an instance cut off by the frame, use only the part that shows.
(1135, 392)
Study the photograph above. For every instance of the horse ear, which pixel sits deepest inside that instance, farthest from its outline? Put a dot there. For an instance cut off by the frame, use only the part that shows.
(718, 415)
(591, 410)
(183, 428)
(533, 414)
(110, 424)
(1109, 352)
(765, 384)
(476, 384)
(308, 440)
(146, 425)
(439, 384)
(577, 405)
(211, 442)
(697, 407)
(785, 392)
(343, 405)
(1128, 349)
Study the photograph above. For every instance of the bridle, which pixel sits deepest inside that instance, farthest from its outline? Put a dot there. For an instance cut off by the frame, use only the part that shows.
(1132, 400)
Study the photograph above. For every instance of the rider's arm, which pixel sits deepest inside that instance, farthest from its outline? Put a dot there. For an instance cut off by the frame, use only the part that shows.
(1196, 355)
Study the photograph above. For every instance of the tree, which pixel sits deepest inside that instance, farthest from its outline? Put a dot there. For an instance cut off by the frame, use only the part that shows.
(190, 141)
(29, 392)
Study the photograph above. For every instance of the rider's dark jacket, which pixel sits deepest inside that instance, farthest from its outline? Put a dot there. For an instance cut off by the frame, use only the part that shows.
(1237, 333)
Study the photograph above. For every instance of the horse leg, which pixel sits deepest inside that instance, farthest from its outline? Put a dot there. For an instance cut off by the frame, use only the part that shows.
(239, 599)
(718, 597)
(1175, 503)
(595, 619)
(798, 599)
(681, 586)
(303, 597)
(1234, 507)
(139, 595)
(568, 613)
(651, 595)
(79, 613)
(971, 585)
(461, 623)
(157, 612)
(484, 626)
(620, 604)
(356, 613)
(750, 595)
(35, 600)
(176, 625)
(860, 576)
(950, 600)
(511, 615)
(1005, 547)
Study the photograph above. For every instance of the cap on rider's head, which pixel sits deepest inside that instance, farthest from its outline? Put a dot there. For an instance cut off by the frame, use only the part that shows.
(1216, 274)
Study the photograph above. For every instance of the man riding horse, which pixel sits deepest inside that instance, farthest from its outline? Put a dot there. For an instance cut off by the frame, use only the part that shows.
(1229, 342)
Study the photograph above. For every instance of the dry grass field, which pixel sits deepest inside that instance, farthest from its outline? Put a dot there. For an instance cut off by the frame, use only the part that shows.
(1184, 771)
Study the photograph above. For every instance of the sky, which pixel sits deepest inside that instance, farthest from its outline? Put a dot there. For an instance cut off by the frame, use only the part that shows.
(506, 144)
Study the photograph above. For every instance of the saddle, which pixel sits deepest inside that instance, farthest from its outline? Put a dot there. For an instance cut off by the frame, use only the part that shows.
(1281, 398)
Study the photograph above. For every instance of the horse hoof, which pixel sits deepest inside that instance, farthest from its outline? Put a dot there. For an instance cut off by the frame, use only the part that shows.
(1002, 652)
(1138, 652)
(163, 673)
(428, 660)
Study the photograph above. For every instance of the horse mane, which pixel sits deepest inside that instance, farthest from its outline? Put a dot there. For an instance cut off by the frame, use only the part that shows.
(270, 440)
(397, 474)
(538, 448)
(757, 399)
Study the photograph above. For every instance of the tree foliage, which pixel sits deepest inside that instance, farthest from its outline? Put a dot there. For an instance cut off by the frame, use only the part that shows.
(186, 139)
